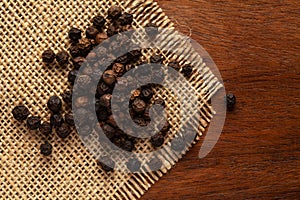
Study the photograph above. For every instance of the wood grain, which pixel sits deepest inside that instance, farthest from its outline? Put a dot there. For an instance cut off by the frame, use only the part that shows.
(256, 46)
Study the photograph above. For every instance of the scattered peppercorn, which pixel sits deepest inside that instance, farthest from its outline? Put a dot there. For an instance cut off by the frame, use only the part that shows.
(91, 32)
(20, 113)
(156, 59)
(175, 65)
(85, 46)
(54, 104)
(146, 93)
(75, 51)
(126, 19)
(33, 122)
(45, 128)
(138, 105)
(100, 37)
(230, 101)
(111, 30)
(109, 131)
(77, 62)
(56, 120)
(102, 88)
(46, 149)
(114, 12)
(99, 22)
(118, 68)
(63, 131)
(133, 164)
(109, 77)
(157, 140)
(105, 100)
(69, 119)
(48, 56)
(187, 71)
(106, 163)
(62, 58)
(75, 34)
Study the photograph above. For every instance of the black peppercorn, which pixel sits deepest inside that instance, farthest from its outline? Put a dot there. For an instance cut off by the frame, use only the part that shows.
(100, 37)
(75, 34)
(46, 149)
(63, 131)
(109, 77)
(106, 163)
(230, 101)
(33, 122)
(72, 76)
(111, 30)
(102, 88)
(56, 120)
(75, 51)
(85, 46)
(187, 71)
(54, 104)
(175, 65)
(118, 68)
(67, 97)
(105, 100)
(45, 128)
(109, 131)
(133, 164)
(77, 62)
(126, 19)
(48, 56)
(102, 113)
(146, 93)
(111, 121)
(91, 32)
(138, 106)
(114, 12)
(166, 127)
(157, 140)
(69, 119)
(20, 113)
(99, 22)
(62, 58)
(127, 145)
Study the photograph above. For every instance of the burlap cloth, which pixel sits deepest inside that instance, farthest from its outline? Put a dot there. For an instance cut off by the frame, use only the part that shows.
(27, 28)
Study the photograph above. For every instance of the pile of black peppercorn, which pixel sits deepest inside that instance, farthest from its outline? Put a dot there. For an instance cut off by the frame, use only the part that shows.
(81, 49)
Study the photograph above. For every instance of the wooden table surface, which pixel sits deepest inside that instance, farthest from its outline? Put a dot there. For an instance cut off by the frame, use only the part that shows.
(256, 46)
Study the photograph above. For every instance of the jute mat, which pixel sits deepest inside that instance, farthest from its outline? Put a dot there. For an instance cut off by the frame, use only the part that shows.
(27, 28)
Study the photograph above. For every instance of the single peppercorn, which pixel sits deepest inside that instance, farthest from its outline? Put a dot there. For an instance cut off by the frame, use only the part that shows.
(69, 119)
(175, 65)
(78, 61)
(46, 149)
(85, 46)
(20, 113)
(45, 128)
(166, 127)
(111, 30)
(114, 12)
(109, 77)
(91, 32)
(157, 140)
(102, 88)
(33, 122)
(54, 104)
(67, 97)
(138, 106)
(56, 120)
(63, 131)
(99, 22)
(127, 145)
(105, 100)
(72, 76)
(230, 101)
(102, 114)
(75, 34)
(75, 51)
(100, 37)
(48, 56)
(187, 71)
(62, 58)
(109, 131)
(146, 93)
(126, 19)
(133, 164)
(118, 68)
(106, 163)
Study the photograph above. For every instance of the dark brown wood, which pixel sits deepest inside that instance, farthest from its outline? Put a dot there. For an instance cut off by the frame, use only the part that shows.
(256, 46)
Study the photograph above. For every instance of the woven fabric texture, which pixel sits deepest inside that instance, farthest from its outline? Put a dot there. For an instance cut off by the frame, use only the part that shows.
(29, 27)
